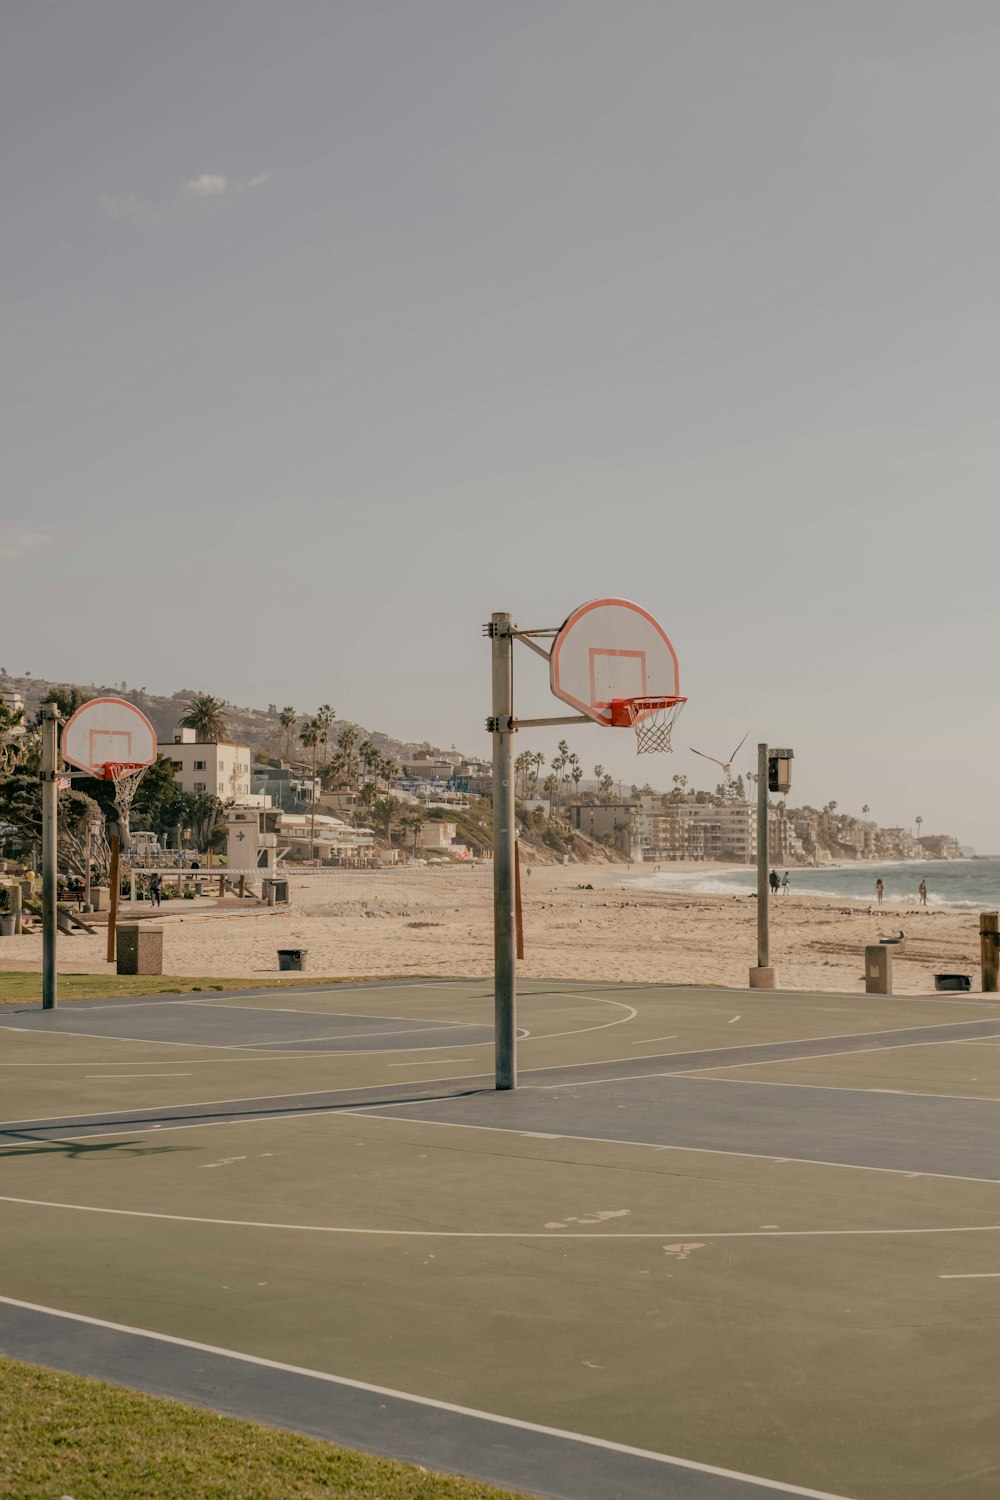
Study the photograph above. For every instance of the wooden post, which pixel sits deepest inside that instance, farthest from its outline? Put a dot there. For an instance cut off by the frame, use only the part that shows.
(222, 885)
(243, 886)
(989, 950)
(17, 896)
(518, 923)
(116, 845)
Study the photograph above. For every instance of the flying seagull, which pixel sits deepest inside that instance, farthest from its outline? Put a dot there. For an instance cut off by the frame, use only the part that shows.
(727, 765)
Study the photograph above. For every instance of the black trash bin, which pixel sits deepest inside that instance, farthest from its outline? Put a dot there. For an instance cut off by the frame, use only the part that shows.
(292, 958)
(952, 982)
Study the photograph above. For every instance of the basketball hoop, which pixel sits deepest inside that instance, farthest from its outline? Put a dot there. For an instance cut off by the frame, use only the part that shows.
(652, 719)
(126, 776)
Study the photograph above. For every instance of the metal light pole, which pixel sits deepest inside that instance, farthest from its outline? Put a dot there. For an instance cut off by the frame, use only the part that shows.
(763, 883)
(50, 841)
(505, 962)
(762, 977)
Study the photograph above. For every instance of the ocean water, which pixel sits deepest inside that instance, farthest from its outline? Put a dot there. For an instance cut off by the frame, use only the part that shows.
(968, 883)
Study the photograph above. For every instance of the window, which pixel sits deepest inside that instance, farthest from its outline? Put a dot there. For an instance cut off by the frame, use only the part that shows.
(178, 765)
(199, 786)
(199, 765)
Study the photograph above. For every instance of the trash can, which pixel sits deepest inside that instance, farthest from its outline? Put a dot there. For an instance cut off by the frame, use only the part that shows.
(292, 958)
(139, 948)
(952, 982)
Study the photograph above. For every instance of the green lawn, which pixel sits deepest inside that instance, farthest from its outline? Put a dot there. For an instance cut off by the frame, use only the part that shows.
(62, 1435)
(21, 989)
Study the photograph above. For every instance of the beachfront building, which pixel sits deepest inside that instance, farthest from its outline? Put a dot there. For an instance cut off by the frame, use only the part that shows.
(330, 841)
(940, 846)
(614, 823)
(289, 787)
(216, 767)
(673, 828)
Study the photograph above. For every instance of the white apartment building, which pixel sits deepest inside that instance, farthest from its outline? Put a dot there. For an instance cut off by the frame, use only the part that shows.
(685, 829)
(220, 769)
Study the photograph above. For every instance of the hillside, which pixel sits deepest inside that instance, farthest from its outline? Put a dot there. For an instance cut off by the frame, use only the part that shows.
(257, 727)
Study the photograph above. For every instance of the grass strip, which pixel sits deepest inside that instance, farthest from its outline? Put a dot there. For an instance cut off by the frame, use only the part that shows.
(68, 1436)
(26, 989)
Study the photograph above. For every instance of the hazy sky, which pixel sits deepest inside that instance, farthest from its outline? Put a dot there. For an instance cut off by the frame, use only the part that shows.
(330, 328)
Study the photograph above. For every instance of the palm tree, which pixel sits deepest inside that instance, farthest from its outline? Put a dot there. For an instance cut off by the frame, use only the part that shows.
(575, 773)
(315, 734)
(369, 756)
(539, 761)
(919, 822)
(288, 718)
(346, 741)
(385, 811)
(865, 810)
(205, 716)
(607, 787)
(412, 822)
(522, 766)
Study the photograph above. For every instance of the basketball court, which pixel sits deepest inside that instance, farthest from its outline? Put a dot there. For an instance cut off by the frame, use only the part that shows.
(717, 1243)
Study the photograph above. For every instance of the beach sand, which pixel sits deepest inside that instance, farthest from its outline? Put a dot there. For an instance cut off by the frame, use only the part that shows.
(428, 921)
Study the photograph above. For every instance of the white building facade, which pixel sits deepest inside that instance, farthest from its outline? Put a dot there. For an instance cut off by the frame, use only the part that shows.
(215, 767)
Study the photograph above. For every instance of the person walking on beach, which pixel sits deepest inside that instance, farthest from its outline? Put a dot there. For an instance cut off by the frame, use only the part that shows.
(922, 892)
(784, 884)
(155, 887)
(879, 890)
(774, 882)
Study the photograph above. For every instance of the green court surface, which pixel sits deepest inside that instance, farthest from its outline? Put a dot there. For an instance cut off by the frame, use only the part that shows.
(782, 1263)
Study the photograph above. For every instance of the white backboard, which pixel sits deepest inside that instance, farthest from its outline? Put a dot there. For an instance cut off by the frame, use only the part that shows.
(608, 650)
(108, 730)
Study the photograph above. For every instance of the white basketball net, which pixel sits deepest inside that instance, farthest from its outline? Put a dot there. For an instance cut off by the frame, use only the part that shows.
(653, 720)
(126, 780)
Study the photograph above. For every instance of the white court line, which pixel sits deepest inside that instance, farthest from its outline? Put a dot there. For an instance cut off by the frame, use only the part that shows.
(138, 1075)
(259, 1047)
(969, 1276)
(449, 1061)
(762, 1062)
(213, 1103)
(375, 1111)
(503, 1234)
(732, 1019)
(648, 1041)
(344, 1036)
(834, 1088)
(462, 1411)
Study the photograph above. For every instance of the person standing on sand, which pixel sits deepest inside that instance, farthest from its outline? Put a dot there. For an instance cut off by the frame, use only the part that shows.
(784, 884)
(922, 892)
(879, 890)
(774, 882)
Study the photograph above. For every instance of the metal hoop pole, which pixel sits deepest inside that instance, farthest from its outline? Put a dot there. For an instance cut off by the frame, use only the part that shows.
(504, 955)
(50, 843)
